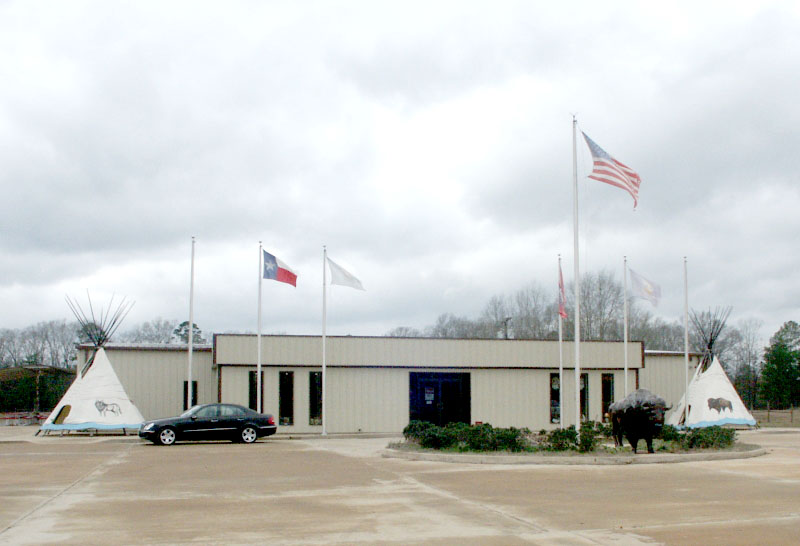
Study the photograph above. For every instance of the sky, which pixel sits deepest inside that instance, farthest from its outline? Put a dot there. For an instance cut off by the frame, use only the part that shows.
(428, 145)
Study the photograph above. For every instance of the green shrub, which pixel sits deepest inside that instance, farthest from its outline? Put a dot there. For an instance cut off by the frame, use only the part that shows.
(709, 437)
(605, 430)
(589, 436)
(561, 439)
(670, 434)
(438, 438)
(512, 439)
(415, 430)
(482, 438)
(465, 437)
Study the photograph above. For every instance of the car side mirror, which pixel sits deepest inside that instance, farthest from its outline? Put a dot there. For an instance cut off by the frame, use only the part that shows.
(194, 417)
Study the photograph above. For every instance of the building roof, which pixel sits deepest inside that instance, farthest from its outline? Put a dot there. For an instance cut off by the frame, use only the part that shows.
(149, 347)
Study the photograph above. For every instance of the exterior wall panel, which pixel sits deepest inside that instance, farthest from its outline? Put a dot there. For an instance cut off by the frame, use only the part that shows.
(665, 374)
(153, 378)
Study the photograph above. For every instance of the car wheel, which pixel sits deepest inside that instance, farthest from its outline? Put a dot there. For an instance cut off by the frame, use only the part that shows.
(248, 435)
(166, 437)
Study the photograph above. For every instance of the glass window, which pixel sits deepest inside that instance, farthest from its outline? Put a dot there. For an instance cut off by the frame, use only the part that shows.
(253, 400)
(608, 392)
(194, 394)
(208, 411)
(230, 411)
(555, 399)
(584, 396)
(286, 398)
(315, 398)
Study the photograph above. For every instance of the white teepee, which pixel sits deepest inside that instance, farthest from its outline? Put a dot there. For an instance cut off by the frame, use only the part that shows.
(712, 401)
(96, 400)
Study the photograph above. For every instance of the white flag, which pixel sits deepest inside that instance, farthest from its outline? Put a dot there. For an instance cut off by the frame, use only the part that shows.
(341, 276)
(644, 289)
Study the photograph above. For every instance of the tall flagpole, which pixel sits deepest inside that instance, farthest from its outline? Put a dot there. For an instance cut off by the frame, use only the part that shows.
(577, 341)
(625, 328)
(258, 344)
(324, 324)
(560, 352)
(686, 340)
(191, 332)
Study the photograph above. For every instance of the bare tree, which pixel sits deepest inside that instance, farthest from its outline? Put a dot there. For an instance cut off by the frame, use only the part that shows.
(747, 360)
(404, 331)
(602, 298)
(533, 313)
(710, 335)
(154, 331)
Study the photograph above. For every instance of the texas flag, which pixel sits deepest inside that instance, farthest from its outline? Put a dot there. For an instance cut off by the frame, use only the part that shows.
(277, 270)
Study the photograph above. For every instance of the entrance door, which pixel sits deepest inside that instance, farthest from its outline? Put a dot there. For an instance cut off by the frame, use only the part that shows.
(439, 398)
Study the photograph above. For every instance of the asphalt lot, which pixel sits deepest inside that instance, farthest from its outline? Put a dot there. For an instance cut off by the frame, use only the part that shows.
(114, 490)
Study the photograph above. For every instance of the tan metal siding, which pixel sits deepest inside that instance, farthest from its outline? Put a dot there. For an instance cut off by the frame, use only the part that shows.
(665, 375)
(153, 379)
(420, 352)
(367, 400)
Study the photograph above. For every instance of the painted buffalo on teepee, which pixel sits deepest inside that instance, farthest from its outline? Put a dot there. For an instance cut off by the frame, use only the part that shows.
(639, 416)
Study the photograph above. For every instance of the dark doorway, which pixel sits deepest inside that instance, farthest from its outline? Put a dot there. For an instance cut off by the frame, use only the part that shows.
(439, 398)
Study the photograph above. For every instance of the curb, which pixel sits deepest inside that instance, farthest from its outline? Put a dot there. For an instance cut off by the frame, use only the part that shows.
(666, 458)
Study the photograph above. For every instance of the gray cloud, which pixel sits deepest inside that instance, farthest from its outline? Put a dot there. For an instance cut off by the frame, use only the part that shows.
(429, 146)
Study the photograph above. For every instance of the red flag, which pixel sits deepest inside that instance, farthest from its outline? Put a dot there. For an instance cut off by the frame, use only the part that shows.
(562, 298)
(609, 170)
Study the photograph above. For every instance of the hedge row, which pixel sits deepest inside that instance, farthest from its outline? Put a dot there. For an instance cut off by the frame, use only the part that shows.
(484, 437)
(464, 437)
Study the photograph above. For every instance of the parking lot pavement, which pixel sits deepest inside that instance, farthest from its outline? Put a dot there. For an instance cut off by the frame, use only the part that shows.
(101, 490)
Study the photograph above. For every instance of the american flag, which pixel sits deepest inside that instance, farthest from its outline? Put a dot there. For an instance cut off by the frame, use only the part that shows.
(609, 170)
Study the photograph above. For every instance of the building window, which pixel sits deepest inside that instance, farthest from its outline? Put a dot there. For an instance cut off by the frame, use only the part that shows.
(315, 398)
(286, 398)
(252, 398)
(555, 399)
(608, 392)
(194, 394)
(585, 396)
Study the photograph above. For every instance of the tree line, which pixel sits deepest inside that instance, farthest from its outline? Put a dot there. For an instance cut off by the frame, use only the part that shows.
(54, 343)
(764, 376)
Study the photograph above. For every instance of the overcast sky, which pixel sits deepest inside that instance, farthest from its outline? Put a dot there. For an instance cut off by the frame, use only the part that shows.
(427, 144)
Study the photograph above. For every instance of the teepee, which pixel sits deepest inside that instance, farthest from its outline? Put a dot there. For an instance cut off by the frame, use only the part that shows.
(96, 400)
(712, 401)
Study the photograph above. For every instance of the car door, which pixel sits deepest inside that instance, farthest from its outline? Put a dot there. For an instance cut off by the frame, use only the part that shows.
(203, 425)
(231, 419)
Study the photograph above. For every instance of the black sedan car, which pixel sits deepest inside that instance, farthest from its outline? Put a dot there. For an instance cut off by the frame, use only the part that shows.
(210, 422)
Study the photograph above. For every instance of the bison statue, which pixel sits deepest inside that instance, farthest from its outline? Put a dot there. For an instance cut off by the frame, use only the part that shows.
(639, 416)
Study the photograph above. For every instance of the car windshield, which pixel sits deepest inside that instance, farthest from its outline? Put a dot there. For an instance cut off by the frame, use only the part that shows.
(190, 411)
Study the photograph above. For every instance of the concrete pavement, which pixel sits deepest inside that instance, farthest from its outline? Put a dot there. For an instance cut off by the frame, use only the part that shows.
(119, 490)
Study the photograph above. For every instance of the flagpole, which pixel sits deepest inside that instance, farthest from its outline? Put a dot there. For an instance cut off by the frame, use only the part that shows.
(625, 328)
(560, 351)
(577, 341)
(258, 344)
(686, 340)
(191, 332)
(324, 325)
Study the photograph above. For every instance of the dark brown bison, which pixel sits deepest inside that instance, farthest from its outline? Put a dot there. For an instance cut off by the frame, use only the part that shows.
(720, 404)
(639, 416)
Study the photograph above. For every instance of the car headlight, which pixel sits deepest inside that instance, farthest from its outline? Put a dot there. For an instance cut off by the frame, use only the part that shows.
(148, 426)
